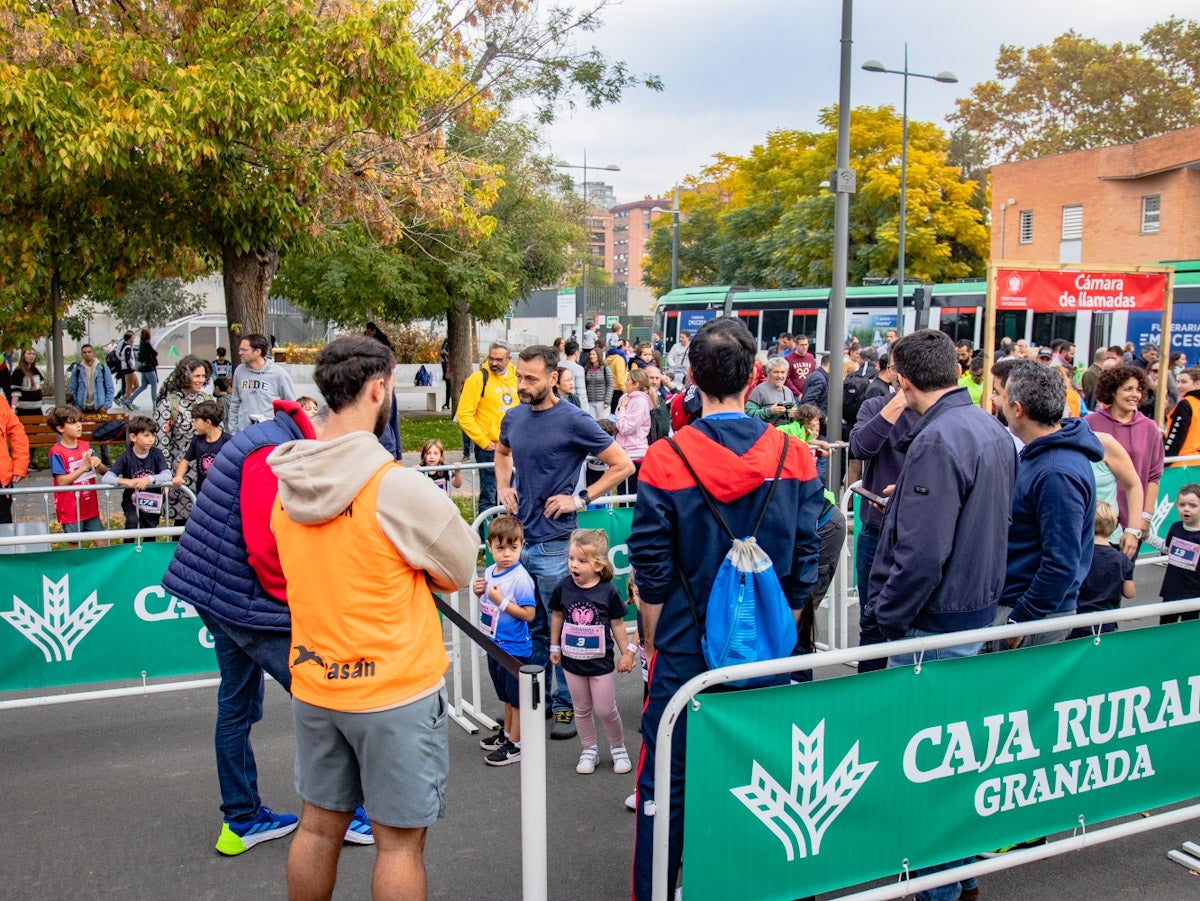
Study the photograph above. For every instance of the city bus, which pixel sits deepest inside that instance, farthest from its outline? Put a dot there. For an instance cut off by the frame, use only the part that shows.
(953, 307)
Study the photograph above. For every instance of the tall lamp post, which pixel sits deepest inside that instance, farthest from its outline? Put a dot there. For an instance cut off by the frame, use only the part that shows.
(874, 65)
(674, 211)
(587, 225)
(1003, 211)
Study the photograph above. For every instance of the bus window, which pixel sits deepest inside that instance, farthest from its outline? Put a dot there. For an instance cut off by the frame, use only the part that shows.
(1009, 324)
(804, 322)
(1048, 326)
(751, 321)
(958, 324)
(774, 324)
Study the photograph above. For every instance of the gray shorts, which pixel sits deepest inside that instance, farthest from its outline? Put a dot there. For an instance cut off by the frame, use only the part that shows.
(394, 762)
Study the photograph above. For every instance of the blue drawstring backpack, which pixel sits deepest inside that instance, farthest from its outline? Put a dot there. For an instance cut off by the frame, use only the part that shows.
(747, 619)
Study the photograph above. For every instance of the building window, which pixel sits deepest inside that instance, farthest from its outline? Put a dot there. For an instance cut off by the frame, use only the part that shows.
(1026, 226)
(1150, 206)
(1072, 223)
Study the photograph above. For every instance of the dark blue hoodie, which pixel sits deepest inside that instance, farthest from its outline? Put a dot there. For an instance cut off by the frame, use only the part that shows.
(1053, 523)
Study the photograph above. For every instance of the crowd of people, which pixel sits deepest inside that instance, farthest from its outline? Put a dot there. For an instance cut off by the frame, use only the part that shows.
(305, 506)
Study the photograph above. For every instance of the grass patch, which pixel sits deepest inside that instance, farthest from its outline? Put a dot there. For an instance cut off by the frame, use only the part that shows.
(415, 432)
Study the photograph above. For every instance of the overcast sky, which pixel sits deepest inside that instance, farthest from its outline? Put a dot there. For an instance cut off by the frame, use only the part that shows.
(735, 70)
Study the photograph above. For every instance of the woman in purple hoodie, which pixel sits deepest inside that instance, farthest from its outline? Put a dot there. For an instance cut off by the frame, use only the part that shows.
(1120, 390)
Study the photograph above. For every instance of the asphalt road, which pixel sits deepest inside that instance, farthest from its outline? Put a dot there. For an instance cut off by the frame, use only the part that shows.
(117, 799)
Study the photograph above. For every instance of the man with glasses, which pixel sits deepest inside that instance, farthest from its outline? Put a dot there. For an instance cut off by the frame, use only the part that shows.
(487, 395)
(800, 365)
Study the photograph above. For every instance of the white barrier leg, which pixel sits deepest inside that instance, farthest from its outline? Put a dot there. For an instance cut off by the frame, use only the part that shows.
(534, 868)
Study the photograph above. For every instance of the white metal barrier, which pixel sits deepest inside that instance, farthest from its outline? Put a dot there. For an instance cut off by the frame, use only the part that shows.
(686, 695)
(16, 541)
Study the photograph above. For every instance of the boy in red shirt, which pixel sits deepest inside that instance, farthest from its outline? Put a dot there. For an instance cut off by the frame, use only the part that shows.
(72, 462)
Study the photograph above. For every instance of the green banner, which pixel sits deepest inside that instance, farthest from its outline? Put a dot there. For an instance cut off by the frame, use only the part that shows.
(73, 617)
(1165, 514)
(837, 782)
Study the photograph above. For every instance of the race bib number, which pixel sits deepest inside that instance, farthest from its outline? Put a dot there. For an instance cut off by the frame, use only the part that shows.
(1184, 554)
(489, 616)
(87, 479)
(582, 642)
(148, 501)
(645, 663)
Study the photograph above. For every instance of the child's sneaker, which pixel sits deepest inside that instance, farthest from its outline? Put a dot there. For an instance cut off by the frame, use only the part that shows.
(631, 801)
(237, 838)
(359, 830)
(587, 762)
(494, 742)
(621, 762)
(510, 753)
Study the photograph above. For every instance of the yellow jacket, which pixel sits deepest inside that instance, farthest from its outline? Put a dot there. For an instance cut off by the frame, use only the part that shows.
(481, 407)
(620, 370)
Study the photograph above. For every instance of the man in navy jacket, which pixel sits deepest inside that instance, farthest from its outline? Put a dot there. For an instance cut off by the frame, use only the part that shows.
(675, 537)
(1054, 505)
(943, 544)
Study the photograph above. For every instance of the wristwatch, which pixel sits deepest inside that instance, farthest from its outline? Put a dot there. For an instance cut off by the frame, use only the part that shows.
(1139, 534)
(584, 499)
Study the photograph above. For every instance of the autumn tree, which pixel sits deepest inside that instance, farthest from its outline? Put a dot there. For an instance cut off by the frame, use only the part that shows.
(767, 220)
(1077, 93)
(248, 124)
(347, 273)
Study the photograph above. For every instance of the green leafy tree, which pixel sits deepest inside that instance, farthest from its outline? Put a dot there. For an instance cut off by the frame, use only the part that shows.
(152, 302)
(348, 274)
(1077, 93)
(766, 220)
(231, 128)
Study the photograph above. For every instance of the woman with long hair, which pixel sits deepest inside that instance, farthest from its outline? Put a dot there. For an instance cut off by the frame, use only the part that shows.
(182, 390)
(597, 378)
(27, 385)
(634, 411)
(147, 359)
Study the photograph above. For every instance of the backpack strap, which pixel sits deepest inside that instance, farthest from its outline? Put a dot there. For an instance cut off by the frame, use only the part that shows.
(712, 506)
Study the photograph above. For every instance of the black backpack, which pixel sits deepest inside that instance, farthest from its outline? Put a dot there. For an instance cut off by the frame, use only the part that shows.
(113, 361)
(854, 390)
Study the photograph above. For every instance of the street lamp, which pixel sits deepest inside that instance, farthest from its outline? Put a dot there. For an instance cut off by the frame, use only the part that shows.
(674, 211)
(874, 65)
(587, 225)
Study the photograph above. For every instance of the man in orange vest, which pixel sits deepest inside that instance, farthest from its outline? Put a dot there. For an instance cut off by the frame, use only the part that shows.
(363, 543)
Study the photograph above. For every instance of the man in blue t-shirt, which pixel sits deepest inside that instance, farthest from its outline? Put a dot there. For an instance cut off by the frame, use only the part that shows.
(548, 442)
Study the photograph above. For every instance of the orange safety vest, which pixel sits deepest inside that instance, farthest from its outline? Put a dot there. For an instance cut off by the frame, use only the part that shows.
(1191, 441)
(365, 631)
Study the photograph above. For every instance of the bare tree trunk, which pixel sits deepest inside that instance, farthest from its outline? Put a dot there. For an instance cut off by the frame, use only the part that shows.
(247, 278)
(462, 352)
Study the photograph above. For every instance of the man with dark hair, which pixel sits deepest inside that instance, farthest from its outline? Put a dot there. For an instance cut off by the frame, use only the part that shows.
(940, 563)
(801, 364)
(816, 389)
(1054, 502)
(1087, 382)
(881, 384)
(570, 361)
(676, 538)
(257, 383)
(90, 385)
(1149, 355)
(364, 543)
(547, 442)
(963, 348)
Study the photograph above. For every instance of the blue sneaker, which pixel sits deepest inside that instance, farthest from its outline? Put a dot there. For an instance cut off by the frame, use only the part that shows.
(238, 838)
(359, 830)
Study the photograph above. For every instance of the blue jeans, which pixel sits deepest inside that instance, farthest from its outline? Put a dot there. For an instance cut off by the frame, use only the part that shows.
(949, 892)
(243, 655)
(547, 563)
(148, 379)
(866, 540)
(487, 479)
(962, 650)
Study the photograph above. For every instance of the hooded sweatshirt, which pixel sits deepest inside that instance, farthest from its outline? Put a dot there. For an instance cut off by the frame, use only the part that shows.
(1141, 439)
(363, 542)
(254, 391)
(1052, 531)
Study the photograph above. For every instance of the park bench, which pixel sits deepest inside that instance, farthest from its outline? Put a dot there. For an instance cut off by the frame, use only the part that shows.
(41, 435)
(430, 392)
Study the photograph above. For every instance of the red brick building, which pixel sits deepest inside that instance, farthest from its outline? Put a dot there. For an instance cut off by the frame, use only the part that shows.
(1128, 204)
(631, 231)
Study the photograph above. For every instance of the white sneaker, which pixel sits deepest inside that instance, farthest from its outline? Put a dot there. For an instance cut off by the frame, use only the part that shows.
(587, 762)
(621, 762)
(631, 802)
